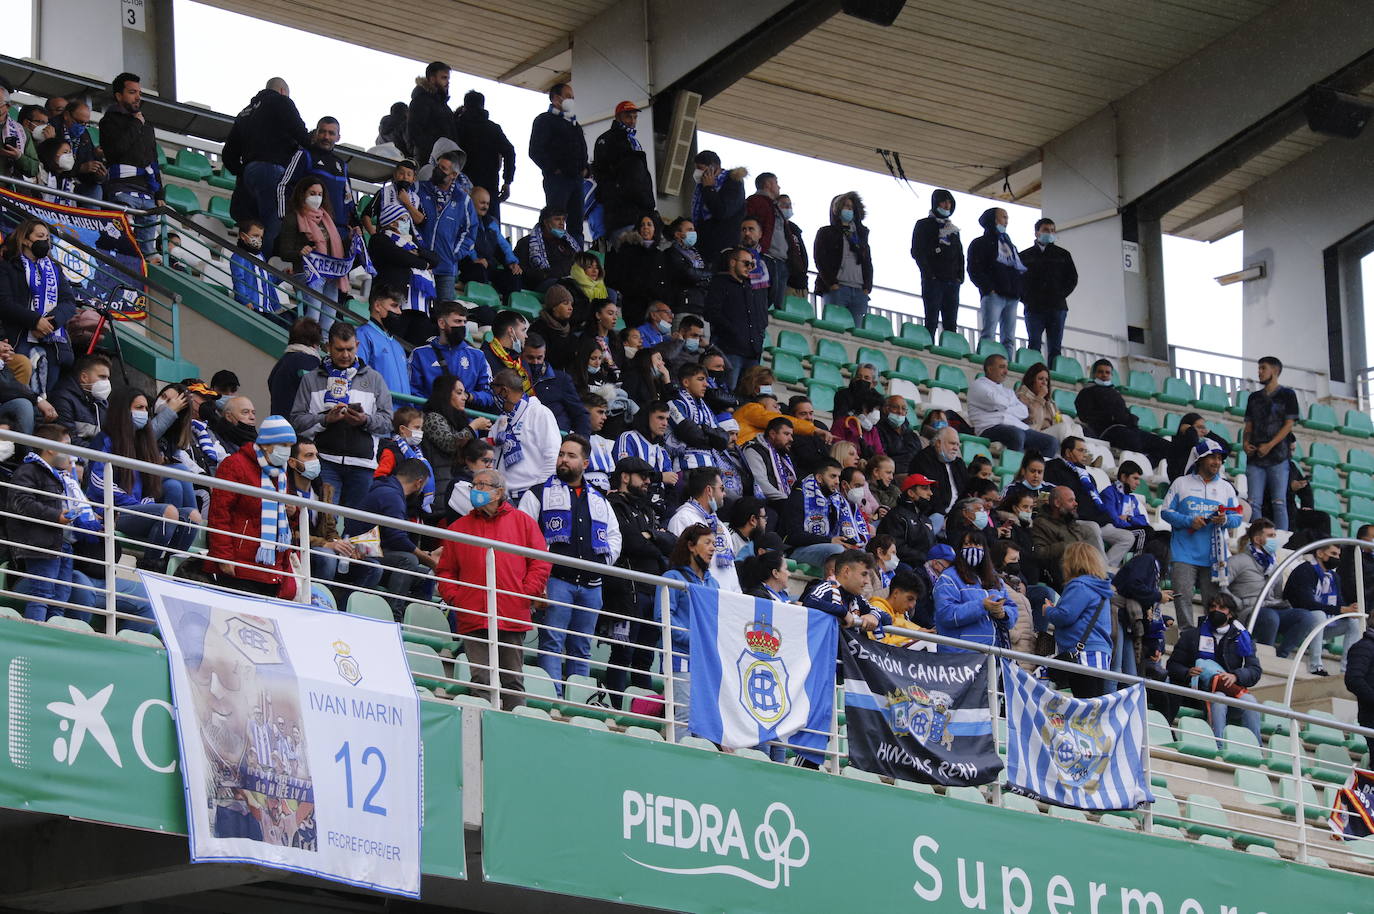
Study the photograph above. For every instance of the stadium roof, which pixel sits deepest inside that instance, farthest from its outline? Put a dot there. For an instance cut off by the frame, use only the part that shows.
(967, 91)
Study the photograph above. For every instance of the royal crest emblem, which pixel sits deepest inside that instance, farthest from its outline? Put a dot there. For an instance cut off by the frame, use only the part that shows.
(763, 674)
(921, 714)
(1079, 746)
(347, 665)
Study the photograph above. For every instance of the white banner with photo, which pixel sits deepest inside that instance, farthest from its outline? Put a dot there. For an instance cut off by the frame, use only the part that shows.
(300, 736)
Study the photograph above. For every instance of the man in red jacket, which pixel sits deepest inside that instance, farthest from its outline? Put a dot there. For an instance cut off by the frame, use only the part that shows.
(249, 538)
(463, 584)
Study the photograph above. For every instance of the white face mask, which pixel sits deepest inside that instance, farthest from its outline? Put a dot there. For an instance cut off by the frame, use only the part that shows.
(101, 389)
(696, 175)
(314, 201)
(868, 420)
(891, 563)
(66, 161)
(278, 454)
(6, 450)
(403, 227)
(568, 106)
(631, 351)
(856, 495)
(416, 435)
(38, 132)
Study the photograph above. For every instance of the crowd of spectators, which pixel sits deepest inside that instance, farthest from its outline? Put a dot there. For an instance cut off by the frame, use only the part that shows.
(631, 422)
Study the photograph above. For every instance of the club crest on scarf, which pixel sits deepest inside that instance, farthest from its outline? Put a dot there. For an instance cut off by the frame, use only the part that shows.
(1079, 746)
(763, 674)
(921, 714)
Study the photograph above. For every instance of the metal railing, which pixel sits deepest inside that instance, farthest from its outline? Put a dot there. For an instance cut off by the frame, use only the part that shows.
(627, 645)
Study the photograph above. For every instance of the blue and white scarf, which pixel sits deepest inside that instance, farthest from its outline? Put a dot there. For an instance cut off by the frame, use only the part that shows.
(687, 408)
(725, 553)
(630, 135)
(1262, 558)
(555, 515)
(1207, 640)
(422, 290)
(1328, 590)
(358, 251)
(74, 504)
(275, 528)
(783, 469)
(816, 508)
(209, 445)
(758, 276)
(512, 451)
(266, 297)
(570, 118)
(1006, 253)
(42, 277)
(1089, 484)
(539, 254)
(411, 452)
(602, 463)
(634, 444)
(699, 212)
(340, 383)
(321, 267)
(151, 173)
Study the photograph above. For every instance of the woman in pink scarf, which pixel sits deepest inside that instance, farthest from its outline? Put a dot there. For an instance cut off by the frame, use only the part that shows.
(309, 229)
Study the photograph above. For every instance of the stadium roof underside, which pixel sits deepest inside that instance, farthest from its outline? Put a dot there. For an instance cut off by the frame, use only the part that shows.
(968, 92)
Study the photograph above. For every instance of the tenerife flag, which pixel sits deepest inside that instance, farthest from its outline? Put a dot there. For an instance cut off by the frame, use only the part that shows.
(760, 670)
(1082, 753)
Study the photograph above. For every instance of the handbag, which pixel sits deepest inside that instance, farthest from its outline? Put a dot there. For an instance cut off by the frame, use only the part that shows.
(1064, 677)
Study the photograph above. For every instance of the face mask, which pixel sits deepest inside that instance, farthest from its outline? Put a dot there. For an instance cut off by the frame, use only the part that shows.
(1102, 383)
(663, 326)
(101, 389)
(1025, 516)
(765, 389)
(868, 420)
(647, 242)
(973, 555)
(691, 345)
(631, 351)
(981, 520)
(942, 212)
(6, 450)
(402, 185)
(891, 564)
(1331, 564)
(76, 130)
(786, 213)
(480, 498)
(568, 106)
(278, 455)
(517, 345)
(1217, 619)
(856, 495)
(558, 233)
(415, 435)
(41, 249)
(403, 227)
(66, 161)
(140, 417)
(689, 239)
(1046, 238)
(252, 244)
(696, 176)
(715, 505)
(939, 424)
(314, 201)
(896, 419)
(456, 335)
(38, 132)
(1012, 568)
(846, 216)
(310, 469)
(944, 458)
(1001, 229)
(1271, 547)
(593, 369)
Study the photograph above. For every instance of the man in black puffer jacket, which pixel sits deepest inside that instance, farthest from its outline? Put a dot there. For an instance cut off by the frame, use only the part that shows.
(429, 117)
(621, 169)
(491, 157)
(1050, 279)
(939, 254)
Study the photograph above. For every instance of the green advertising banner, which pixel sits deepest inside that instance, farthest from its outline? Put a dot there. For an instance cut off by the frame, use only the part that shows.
(89, 734)
(648, 823)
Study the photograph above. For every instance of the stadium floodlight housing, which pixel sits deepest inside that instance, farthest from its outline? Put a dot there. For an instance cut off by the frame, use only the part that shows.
(1257, 271)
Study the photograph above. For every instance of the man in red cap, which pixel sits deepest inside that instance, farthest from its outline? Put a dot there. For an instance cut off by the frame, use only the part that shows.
(907, 522)
(623, 182)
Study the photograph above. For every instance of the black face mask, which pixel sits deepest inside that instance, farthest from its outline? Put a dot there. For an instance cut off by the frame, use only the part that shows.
(402, 185)
(1012, 568)
(207, 411)
(41, 249)
(1217, 619)
(392, 323)
(1332, 564)
(859, 385)
(456, 335)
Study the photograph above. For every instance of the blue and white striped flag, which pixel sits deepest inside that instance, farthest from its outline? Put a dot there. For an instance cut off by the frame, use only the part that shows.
(1085, 753)
(760, 670)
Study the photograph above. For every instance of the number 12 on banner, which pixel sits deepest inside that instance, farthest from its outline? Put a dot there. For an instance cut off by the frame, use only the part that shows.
(345, 755)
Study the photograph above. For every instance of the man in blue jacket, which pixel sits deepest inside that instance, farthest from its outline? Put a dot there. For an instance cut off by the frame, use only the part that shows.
(995, 267)
(450, 222)
(1200, 506)
(559, 147)
(318, 160)
(377, 347)
(1313, 594)
(449, 352)
(400, 551)
(554, 388)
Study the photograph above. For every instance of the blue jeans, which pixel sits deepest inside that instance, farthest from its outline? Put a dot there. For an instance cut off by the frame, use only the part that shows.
(777, 281)
(145, 226)
(260, 179)
(816, 554)
(350, 483)
(360, 573)
(998, 318)
(575, 624)
(54, 582)
(735, 366)
(1022, 439)
(148, 524)
(19, 414)
(1050, 324)
(328, 289)
(131, 598)
(1345, 627)
(941, 300)
(1218, 714)
(1269, 491)
(445, 286)
(565, 193)
(856, 300)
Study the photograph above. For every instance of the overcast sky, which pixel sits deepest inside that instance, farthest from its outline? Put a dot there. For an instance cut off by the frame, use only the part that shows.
(358, 85)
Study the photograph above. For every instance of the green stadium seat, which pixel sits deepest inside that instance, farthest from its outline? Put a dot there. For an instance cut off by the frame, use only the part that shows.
(1358, 459)
(482, 294)
(1195, 738)
(795, 310)
(1273, 723)
(967, 794)
(1241, 747)
(219, 208)
(910, 368)
(182, 199)
(1009, 463)
(826, 373)
(426, 668)
(1330, 764)
(875, 327)
(370, 605)
(696, 742)
(1313, 807)
(1357, 424)
(1158, 731)
(1166, 809)
(875, 357)
(644, 733)
(1139, 384)
(161, 156)
(950, 377)
(1238, 402)
(1149, 419)
(222, 180)
(1116, 820)
(1319, 735)
(542, 692)
(973, 449)
(952, 345)
(986, 348)
(1176, 392)
(913, 336)
(135, 636)
(1330, 503)
(584, 690)
(527, 303)
(831, 351)
(1357, 483)
(835, 318)
(71, 625)
(1322, 454)
(1064, 400)
(1026, 359)
(189, 166)
(822, 396)
(855, 774)
(1324, 477)
(1255, 788)
(1019, 803)
(1208, 818)
(1067, 370)
(426, 623)
(788, 368)
(1320, 418)
(1361, 508)
(1211, 396)
(790, 341)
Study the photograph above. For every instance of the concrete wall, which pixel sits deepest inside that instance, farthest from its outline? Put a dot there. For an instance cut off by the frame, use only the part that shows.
(1290, 219)
(89, 37)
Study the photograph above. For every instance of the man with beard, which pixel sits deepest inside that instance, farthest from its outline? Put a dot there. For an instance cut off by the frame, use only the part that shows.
(318, 160)
(577, 521)
(378, 347)
(769, 459)
(644, 543)
(449, 352)
(817, 521)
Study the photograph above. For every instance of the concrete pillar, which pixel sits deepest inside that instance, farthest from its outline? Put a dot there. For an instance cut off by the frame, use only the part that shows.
(91, 37)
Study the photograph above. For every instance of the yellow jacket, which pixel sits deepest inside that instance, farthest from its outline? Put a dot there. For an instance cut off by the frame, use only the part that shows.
(898, 621)
(753, 418)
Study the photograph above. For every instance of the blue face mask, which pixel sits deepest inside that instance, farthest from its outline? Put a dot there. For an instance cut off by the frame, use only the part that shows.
(786, 213)
(715, 506)
(973, 555)
(691, 345)
(846, 215)
(480, 498)
(76, 130)
(1046, 238)
(981, 520)
(690, 239)
(942, 212)
(939, 424)
(1271, 547)
(140, 417)
(1001, 229)
(664, 326)
(558, 233)
(896, 419)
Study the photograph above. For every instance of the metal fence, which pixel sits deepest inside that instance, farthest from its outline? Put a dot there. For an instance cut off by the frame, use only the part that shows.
(1274, 794)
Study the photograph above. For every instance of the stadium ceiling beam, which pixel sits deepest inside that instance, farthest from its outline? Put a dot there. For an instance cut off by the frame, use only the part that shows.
(1216, 222)
(534, 72)
(1014, 182)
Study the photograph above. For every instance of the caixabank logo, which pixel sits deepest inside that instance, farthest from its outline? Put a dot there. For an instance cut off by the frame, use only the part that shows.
(68, 720)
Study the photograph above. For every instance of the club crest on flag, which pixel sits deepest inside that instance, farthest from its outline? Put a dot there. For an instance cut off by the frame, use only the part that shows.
(763, 674)
(346, 663)
(1079, 747)
(923, 715)
(257, 642)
